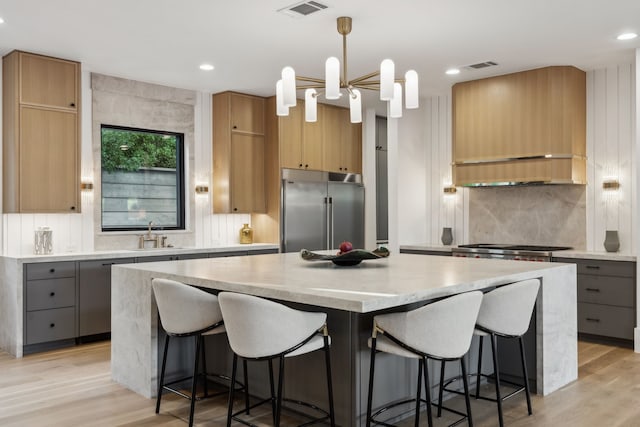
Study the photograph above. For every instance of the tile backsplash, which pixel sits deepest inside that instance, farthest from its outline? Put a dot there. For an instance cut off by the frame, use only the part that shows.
(536, 215)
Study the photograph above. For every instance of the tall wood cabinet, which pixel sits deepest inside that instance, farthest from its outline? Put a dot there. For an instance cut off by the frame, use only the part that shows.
(41, 134)
(238, 153)
(342, 149)
(301, 142)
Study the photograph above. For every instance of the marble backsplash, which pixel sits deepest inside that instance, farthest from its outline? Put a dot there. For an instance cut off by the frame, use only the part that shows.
(534, 215)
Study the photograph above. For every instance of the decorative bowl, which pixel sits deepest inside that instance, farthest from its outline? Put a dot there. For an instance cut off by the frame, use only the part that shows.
(353, 257)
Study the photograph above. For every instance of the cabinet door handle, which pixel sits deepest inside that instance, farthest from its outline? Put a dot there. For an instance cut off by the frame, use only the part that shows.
(235, 209)
(52, 325)
(73, 208)
(53, 270)
(300, 165)
(235, 127)
(52, 294)
(306, 166)
(107, 264)
(73, 104)
(593, 267)
(590, 319)
(592, 290)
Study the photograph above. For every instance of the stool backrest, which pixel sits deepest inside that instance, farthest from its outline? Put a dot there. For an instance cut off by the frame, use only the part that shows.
(257, 327)
(184, 309)
(507, 310)
(441, 329)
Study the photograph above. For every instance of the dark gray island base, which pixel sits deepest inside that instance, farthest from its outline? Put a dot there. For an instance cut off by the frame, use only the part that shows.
(351, 297)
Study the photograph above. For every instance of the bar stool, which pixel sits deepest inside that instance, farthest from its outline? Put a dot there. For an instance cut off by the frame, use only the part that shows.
(439, 331)
(505, 312)
(259, 329)
(186, 312)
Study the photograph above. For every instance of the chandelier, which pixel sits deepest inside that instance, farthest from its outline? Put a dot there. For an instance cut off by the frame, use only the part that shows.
(334, 84)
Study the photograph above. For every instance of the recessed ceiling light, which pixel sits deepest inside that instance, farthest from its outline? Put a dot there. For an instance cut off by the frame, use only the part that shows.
(627, 36)
(1, 21)
(206, 67)
(452, 71)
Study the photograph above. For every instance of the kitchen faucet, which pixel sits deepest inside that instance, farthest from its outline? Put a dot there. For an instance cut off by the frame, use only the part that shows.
(158, 241)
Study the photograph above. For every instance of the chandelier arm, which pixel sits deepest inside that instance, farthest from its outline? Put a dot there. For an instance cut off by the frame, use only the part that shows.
(365, 77)
(344, 60)
(310, 79)
(316, 86)
(368, 87)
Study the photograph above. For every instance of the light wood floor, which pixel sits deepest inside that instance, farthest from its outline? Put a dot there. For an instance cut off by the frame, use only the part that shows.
(72, 387)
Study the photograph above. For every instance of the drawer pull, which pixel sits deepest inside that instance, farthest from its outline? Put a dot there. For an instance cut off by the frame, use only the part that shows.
(52, 325)
(590, 319)
(593, 267)
(53, 270)
(52, 294)
(107, 264)
(592, 290)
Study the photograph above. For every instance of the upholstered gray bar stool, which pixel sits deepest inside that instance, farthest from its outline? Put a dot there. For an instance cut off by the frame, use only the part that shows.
(186, 311)
(259, 329)
(439, 331)
(505, 312)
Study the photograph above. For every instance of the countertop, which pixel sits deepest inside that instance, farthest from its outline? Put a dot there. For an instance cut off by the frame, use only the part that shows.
(577, 254)
(137, 253)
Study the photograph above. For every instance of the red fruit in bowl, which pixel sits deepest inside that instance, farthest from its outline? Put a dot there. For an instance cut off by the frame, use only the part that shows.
(345, 247)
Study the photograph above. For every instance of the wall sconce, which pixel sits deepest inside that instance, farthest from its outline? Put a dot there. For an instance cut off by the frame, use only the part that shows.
(86, 186)
(449, 190)
(611, 184)
(202, 189)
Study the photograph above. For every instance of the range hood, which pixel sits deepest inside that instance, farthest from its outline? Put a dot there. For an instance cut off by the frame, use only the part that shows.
(521, 129)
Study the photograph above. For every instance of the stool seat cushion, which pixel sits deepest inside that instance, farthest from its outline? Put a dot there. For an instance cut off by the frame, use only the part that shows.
(507, 310)
(442, 329)
(316, 343)
(386, 345)
(257, 327)
(185, 309)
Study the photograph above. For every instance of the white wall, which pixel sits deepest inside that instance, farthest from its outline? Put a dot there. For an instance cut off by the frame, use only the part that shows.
(75, 232)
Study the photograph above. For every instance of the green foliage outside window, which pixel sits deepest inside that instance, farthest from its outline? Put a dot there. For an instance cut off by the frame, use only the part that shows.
(129, 150)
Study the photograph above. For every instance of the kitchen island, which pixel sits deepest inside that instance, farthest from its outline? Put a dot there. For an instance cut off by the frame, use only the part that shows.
(350, 296)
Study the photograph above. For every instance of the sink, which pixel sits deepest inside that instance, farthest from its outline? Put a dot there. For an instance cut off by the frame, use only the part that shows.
(157, 249)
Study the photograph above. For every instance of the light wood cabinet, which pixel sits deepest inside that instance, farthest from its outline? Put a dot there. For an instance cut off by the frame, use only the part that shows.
(238, 153)
(41, 134)
(522, 127)
(300, 141)
(342, 148)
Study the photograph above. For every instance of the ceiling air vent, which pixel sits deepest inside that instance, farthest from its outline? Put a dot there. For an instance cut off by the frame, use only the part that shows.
(298, 10)
(481, 65)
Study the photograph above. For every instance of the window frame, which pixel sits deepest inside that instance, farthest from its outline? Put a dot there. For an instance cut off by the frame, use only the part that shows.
(180, 181)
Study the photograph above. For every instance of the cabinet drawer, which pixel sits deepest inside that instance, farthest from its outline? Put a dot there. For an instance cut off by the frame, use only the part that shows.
(50, 325)
(51, 270)
(606, 320)
(607, 268)
(54, 293)
(609, 290)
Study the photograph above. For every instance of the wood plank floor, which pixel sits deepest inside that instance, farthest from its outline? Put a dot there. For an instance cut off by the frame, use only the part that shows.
(72, 387)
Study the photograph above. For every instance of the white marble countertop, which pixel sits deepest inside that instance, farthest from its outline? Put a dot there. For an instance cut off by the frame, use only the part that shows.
(372, 285)
(137, 253)
(577, 254)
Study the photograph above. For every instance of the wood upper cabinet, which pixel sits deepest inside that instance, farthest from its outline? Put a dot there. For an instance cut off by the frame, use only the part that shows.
(521, 127)
(300, 141)
(41, 134)
(342, 149)
(238, 153)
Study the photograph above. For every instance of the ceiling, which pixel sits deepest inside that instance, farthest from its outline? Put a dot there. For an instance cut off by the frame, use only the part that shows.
(248, 41)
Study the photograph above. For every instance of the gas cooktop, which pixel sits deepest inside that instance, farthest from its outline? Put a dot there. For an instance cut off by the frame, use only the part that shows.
(509, 247)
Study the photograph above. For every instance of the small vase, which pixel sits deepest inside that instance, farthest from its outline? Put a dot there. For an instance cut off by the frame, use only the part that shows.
(447, 236)
(246, 234)
(611, 241)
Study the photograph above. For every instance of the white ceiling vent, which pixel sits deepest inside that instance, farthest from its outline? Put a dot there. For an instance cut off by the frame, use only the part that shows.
(481, 65)
(301, 9)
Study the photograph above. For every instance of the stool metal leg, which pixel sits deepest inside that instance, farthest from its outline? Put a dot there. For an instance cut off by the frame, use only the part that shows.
(194, 380)
(479, 367)
(327, 355)
(467, 400)
(280, 383)
(525, 375)
(419, 392)
(441, 388)
(496, 370)
(371, 372)
(246, 386)
(273, 393)
(204, 367)
(232, 390)
(164, 365)
(427, 390)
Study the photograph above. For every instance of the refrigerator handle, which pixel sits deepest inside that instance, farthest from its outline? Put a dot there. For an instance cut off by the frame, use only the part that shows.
(330, 233)
(326, 219)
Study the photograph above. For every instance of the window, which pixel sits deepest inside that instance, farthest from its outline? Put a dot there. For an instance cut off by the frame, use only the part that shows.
(142, 179)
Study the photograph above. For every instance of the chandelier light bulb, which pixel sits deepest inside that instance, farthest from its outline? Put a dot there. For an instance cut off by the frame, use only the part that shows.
(411, 97)
(395, 106)
(332, 78)
(355, 106)
(310, 105)
(627, 36)
(288, 87)
(281, 109)
(387, 77)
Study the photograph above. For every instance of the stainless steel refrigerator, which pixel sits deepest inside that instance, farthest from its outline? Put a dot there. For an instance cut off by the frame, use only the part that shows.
(320, 210)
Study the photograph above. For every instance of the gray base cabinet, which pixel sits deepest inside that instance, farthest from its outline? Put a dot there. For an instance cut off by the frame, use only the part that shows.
(94, 286)
(606, 297)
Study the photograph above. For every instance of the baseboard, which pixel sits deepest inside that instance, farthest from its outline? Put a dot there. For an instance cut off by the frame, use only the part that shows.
(636, 334)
